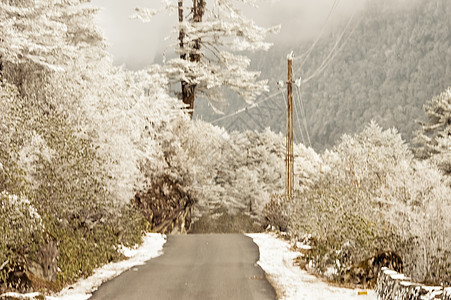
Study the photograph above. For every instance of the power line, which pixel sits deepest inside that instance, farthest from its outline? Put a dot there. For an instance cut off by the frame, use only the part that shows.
(298, 90)
(298, 122)
(310, 50)
(333, 53)
(245, 108)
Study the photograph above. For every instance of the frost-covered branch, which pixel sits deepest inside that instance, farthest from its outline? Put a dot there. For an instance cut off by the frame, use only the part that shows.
(209, 37)
(434, 136)
(49, 33)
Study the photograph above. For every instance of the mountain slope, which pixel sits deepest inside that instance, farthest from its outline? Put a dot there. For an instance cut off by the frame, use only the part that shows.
(395, 60)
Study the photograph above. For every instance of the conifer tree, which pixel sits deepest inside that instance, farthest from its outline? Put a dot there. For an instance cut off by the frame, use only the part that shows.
(208, 41)
(434, 136)
(50, 35)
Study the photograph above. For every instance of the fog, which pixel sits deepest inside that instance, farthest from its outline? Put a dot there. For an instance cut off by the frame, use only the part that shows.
(138, 44)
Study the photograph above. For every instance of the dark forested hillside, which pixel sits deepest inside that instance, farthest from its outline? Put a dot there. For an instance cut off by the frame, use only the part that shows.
(395, 60)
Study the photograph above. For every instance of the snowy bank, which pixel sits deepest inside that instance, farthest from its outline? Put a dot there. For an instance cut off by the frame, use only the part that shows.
(82, 289)
(276, 259)
(152, 247)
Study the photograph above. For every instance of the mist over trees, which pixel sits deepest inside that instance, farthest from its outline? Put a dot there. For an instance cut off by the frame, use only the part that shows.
(80, 138)
(395, 60)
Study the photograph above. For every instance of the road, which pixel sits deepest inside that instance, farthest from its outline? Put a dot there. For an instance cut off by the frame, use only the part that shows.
(211, 266)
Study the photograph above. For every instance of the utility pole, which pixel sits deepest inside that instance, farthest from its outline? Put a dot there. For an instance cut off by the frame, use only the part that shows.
(289, 158)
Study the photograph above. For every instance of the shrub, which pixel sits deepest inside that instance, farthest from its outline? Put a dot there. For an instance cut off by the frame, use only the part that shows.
(372, 197)
(22, 236)
(43, 159)
(277, 212)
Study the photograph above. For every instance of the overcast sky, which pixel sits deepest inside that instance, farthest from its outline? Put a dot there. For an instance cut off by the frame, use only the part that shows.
(136, 44)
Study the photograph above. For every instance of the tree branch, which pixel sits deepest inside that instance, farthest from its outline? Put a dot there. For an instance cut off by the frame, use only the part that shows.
(4, 264)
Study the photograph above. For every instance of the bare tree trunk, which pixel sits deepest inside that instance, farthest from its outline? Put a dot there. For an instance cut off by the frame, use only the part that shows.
(184, 84)
(189, 90)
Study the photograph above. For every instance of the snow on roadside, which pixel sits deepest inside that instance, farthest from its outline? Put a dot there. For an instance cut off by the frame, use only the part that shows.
(292, 283)
(152, 247)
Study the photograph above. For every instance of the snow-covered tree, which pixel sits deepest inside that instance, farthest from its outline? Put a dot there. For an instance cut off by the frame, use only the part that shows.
(241, 171)
(50, 33)
(434, 136)
(208, 38)
(372, 195)
(74, 131)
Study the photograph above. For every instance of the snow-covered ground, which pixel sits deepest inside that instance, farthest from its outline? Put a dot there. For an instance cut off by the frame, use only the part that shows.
(292, 283)
(83, 289)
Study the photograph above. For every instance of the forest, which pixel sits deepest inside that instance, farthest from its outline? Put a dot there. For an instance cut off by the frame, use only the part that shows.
(93, 155)
(390, 61)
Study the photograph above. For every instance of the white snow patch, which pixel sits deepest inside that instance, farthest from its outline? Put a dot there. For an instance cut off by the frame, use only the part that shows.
(83, 289)
(21, 296)
(276, 259)
(303, 246)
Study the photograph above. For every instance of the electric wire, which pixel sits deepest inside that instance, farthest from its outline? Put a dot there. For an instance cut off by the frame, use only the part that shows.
(298, 90)
(332, 54)
(245, 108)
(306, 55)
(332, 51)
(298, 120)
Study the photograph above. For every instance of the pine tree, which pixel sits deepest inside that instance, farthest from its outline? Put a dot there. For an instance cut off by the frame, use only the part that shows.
(208, 40)
(434, 136)
(49, 34)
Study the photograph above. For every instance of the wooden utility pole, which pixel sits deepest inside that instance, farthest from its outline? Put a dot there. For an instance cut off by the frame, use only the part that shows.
(289, 158)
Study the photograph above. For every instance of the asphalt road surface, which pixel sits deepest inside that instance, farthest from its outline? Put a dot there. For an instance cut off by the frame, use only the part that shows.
(211, 266)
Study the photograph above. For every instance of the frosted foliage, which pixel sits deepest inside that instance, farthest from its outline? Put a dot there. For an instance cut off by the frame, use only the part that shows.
(308, 166)
(22, 206)
(372, 156)
(49, 33)
(236, 171)
(31, 153)
(426, 218)
(434, 136)
(21, 225)
(372, 178)
(53, 50)
(222, 31)
(123, 113)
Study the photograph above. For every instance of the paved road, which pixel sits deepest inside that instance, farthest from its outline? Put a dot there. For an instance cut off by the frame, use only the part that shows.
(195, 267)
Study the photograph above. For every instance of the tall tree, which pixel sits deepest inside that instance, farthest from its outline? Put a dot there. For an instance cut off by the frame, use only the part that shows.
(434, 136)
(209, 38)
(47, 35)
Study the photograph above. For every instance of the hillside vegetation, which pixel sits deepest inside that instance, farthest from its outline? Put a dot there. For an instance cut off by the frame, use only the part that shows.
(81, 140)
(371, 198)
(395, 60)
(92, 155)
